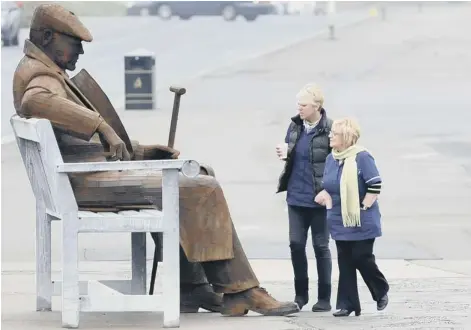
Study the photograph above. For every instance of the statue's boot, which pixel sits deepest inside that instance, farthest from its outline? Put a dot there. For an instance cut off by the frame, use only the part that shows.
(195, 291)
(257, 300)
(200, 296)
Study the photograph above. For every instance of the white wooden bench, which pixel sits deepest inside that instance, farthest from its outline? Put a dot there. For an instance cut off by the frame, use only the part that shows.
(55, 200)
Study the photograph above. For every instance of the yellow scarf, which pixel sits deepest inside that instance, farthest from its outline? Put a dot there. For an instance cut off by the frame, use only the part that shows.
(349, 196)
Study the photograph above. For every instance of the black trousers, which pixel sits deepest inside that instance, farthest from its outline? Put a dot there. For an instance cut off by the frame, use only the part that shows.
(300, 220)
(353, 255)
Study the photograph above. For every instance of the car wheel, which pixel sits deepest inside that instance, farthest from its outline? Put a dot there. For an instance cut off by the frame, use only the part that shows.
(229, 13)
(15, 41)
(6, 42)
(164, 12)
(185, 17)
(250, 18)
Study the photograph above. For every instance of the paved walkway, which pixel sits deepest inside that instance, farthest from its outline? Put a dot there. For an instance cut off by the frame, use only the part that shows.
(424, 295)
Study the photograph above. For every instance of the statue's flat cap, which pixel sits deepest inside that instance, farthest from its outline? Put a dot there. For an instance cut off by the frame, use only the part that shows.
(56, 17)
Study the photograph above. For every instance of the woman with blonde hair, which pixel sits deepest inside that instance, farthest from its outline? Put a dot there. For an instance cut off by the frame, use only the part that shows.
(352, 184)
(304, 152)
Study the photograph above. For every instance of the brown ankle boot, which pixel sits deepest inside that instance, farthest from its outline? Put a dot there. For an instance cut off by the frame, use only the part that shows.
(257, 300)
(200, 296)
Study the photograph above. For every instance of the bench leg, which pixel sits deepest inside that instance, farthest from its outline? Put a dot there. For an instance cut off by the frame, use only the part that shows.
(43, 260)
(171, 249)
(70, 272)
(139, 265)
(171, 280)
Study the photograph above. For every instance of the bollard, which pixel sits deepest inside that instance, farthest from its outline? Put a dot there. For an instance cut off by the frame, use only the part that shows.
(383, 13)
(331, 19)
(139, 80)
(331, 31)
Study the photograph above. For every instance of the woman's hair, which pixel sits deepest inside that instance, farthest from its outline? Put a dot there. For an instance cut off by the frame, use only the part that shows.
(311, 94)
(348, 129)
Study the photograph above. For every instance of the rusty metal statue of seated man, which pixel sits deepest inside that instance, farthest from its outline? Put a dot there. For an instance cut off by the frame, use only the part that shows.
(215, 273)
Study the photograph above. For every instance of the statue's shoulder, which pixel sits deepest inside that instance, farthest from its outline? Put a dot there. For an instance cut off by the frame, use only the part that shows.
(32, 73)
(29, 68)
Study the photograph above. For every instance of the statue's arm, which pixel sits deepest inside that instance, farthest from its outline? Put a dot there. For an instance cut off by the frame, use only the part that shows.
(45, 97)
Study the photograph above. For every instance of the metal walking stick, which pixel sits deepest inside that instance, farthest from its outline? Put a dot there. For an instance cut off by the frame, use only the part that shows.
(157, 237)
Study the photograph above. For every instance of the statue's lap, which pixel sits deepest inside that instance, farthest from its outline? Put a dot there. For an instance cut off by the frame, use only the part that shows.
(135, 188)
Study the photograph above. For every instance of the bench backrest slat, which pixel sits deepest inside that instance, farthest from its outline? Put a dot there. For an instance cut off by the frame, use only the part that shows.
(40, 153)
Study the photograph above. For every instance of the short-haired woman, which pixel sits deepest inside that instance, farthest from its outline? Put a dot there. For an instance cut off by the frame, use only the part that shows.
(306, 148)
(352, 184)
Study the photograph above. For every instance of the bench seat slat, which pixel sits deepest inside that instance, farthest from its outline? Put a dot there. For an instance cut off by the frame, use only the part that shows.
(88, 214)
(123, 221)
(131, 213)
(120, 224)
(152, 212)
(121, 214)
(109, 214)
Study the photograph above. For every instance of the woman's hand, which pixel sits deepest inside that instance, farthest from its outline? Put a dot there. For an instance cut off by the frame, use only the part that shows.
(323, 198)
(369, 199)
(281, 151)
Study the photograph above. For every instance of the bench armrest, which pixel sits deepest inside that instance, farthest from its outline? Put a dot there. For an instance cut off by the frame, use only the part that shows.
(189, 168)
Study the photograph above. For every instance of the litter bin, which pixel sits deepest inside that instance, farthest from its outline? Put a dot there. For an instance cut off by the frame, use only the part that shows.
(139, 78)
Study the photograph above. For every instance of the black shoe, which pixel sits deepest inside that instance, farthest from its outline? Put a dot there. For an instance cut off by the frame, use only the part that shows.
(301, 300)
(346, 312)
(382, 303)
(301, 287)
(322, 306)
(323, 298)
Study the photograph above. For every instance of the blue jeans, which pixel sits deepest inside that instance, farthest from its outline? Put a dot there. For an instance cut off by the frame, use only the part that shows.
(300, 220)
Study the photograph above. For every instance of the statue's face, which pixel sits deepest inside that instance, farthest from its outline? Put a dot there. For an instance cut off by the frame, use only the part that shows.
(63, 49)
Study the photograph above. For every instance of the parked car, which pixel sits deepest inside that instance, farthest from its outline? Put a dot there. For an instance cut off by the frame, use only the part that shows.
(11, 20)
(229, 10)
(316, 8)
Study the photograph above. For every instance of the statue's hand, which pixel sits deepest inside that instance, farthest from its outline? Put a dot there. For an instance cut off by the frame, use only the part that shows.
(175, 153)
(154, 152)
(158, 151)
(118, 149)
